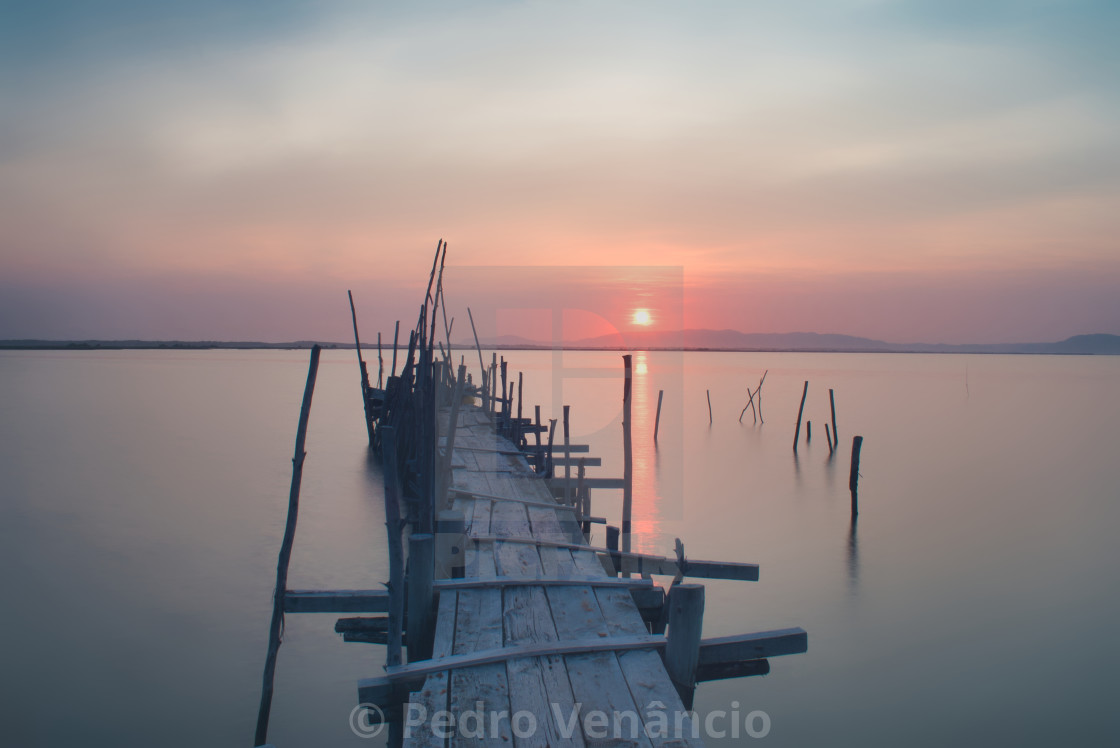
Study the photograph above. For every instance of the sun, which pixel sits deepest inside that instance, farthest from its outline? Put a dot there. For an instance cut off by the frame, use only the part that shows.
(642, 317)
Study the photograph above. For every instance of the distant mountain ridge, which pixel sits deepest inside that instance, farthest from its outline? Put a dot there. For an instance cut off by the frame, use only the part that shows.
(734, 340)
(699, 340)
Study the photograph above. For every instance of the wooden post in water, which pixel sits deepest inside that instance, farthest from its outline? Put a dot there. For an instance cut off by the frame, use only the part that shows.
(285, 557)
(627, 454)
(657, 418)
(481, 364)
(682, 650)
(828, 437)
(396, 547)
(567, 460)
(853, 477)
(539, 465)
(505, 401)
(758, 395)
(797, 433)
(520, 425)
(808, 431)
(420, 624)
(709, 394)
(832, 404)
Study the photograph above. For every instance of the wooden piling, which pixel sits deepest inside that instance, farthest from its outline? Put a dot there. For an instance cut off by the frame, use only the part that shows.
(828, 438)
(808, 431)
(682, 650)
(853, 477)
(583, 497)
(421, 557)
(832, 405)
(396, 337)
(539, 464)
(612, 546)
(797, 433)
(758, 396)
(627, 453)
(277, 624)
(657, 418)
(709, 394)
(393, 527)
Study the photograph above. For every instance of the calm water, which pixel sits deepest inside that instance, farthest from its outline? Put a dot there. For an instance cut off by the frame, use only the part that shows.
(973, 604)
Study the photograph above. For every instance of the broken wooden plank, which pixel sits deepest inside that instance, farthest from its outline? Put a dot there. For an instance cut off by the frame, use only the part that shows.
(336, 601)
(755, 646)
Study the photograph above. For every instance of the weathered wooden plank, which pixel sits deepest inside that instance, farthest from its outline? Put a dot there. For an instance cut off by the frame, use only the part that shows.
(537, 684)
(336, 601)
(754, 646)
(478, 626)
(584, 580)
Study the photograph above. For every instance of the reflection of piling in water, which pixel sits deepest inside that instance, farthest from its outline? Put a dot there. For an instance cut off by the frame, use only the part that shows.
(853, 552)
(853, 477)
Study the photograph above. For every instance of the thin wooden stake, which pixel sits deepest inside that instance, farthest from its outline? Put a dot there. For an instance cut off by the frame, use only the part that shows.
(657, 419)
(709, 394)
(758, 393)
(276, 628)
(797, 433)
(809, 431)
(828, 437)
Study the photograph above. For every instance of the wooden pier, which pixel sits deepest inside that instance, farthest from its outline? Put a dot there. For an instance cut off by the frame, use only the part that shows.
(518, 628)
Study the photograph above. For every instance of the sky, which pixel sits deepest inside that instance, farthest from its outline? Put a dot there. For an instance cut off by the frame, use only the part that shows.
(912, 171)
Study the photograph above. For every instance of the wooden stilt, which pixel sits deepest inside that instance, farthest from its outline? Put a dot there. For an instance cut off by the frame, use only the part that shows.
(832, 405)
(682, 651)
(285, 557)
(420, 599)
(853, 477)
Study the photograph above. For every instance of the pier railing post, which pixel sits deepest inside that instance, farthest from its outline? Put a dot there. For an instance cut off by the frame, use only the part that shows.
(682, 650)
(420, 570)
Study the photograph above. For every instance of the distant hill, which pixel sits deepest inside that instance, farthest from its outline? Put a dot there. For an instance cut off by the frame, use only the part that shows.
(697, 340)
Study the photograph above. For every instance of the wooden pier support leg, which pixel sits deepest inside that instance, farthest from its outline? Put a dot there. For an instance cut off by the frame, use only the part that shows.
(451, 541)
(420, 599)
(519, 440)
(612, 546)
(682, 651)
(539, 464)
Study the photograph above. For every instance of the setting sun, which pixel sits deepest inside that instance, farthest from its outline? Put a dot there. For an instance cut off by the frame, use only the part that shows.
(641, 317)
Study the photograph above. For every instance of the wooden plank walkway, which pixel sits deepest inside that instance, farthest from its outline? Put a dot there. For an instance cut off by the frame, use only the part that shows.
(480, 618)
